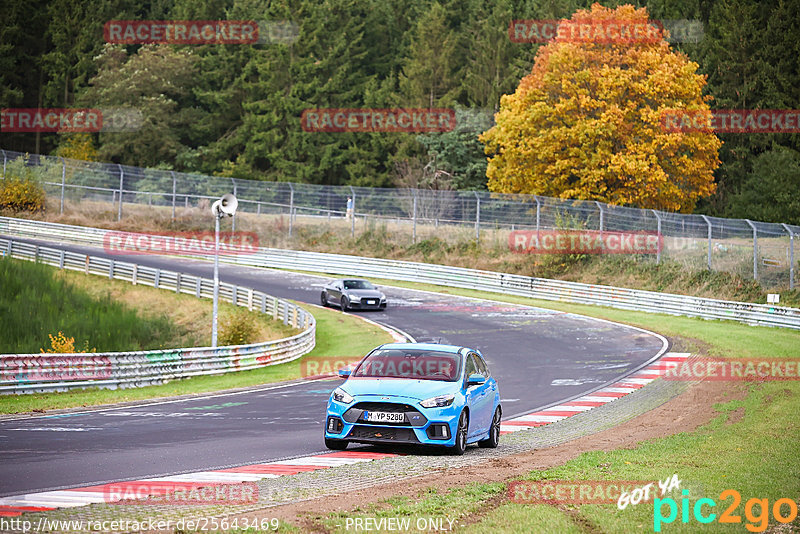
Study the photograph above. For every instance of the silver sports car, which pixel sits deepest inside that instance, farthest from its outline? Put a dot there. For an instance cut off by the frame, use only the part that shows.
(353, 294)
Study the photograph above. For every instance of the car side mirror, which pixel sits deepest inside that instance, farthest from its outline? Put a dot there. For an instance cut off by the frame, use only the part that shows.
(476, 380)
(345, 372)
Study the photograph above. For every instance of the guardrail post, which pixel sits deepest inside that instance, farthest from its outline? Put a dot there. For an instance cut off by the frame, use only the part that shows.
(708, 222)
(791, 255)
(61, 260)
(135, 277)
(353, 215)
(4, 163)
(600, 207)
(263, 303)
(538, 210)
(178, 283)
(86, 266)
(414, 215)
(121, 178)
(198, 287)
(9, 248)
(291, 207)
(235, 295)
(477, 216)
(174, 188)
(63, 182)
(755, 248)
(111, 270)
(660, 238)
(157, 279)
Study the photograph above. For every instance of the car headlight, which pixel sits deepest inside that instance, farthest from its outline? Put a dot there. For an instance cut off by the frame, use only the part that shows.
(383, 297)
(340, 395)
(438, 402)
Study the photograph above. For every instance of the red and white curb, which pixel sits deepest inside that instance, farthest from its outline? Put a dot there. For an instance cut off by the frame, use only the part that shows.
(597, 398)
(117, 491)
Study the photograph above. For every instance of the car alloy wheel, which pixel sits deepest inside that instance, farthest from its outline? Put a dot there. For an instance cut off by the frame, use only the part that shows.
(324, 299)
(461, 435)
(345, 304)
(494, 432)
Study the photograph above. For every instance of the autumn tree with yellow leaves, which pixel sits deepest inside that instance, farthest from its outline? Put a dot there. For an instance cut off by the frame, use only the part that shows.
(586, 123)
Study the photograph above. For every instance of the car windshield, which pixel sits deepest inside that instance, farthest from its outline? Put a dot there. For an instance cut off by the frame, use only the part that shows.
(357, 284)
(411, 363)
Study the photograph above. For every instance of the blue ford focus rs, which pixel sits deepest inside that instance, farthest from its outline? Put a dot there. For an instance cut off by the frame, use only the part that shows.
(416, 393)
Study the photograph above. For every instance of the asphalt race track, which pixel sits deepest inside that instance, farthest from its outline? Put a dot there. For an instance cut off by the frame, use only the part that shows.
(540, 357)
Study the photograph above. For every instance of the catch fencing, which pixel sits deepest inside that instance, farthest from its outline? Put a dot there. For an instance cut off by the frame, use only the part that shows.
(508, 284)
(29, 373)
(763, 251)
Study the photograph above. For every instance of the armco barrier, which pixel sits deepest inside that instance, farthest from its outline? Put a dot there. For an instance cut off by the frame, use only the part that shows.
(539, 288)
(28, 373)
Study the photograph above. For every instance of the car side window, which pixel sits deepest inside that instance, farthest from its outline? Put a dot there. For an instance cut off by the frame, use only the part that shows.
(470, 368)
(483, 369)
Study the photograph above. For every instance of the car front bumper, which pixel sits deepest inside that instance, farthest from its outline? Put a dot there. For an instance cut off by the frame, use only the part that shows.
(433, 426)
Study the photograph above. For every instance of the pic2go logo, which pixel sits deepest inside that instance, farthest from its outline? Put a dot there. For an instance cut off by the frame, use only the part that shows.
(757, 523)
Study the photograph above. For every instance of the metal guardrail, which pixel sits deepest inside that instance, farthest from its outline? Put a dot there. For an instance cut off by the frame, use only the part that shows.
(28, 373)
(538, 288)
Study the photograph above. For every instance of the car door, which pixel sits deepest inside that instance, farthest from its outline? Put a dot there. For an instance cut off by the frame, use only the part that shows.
(477, 399)
(490, 390)
(335, 293)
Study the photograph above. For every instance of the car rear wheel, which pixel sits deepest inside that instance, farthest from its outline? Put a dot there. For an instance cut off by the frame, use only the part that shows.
(461, 435)
(345, 304)
(324, 299)
(494, 432)
(336, 444)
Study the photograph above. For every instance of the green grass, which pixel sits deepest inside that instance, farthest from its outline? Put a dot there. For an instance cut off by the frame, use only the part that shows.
(338, 334)
(758, 454)
(35, 303)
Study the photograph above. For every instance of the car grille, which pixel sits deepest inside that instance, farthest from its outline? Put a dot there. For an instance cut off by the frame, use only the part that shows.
(373, 433)
(413, 417)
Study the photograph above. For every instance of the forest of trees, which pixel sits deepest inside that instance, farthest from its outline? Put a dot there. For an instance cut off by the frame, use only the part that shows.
(235, 110)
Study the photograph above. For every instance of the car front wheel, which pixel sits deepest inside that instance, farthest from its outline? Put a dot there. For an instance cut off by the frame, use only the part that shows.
(461, 435)
(324, 299)
(345, 304)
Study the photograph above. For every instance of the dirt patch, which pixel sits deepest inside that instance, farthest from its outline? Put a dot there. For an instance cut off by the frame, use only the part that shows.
(685, 413)
(735, 416)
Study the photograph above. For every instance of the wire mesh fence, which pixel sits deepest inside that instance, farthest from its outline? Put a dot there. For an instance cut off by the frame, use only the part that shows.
(763, 251)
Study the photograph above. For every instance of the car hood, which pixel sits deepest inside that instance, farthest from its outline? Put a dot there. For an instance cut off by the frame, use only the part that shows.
(400, 387)
(364, 293)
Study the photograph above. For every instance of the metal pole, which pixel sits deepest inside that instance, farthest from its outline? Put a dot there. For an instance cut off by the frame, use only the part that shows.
(660, 238)
(708, 222)
(538, 209)
(174, 185)
(477, 217)
(291, 207)
(4, 164)
(121, 178)
(216, 282)
(600, 207)
(791, 255)
(414, 232)
(353, 215)
(63, 181)
(233, 220)
(755, 248)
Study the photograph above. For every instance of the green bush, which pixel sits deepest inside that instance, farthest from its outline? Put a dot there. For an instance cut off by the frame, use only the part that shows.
(239, 328)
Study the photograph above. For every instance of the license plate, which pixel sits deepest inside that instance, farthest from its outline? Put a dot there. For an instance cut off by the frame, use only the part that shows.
(384, 417)
(372, 302)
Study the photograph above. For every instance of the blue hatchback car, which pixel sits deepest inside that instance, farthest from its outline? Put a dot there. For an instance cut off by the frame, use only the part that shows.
(416, 393)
